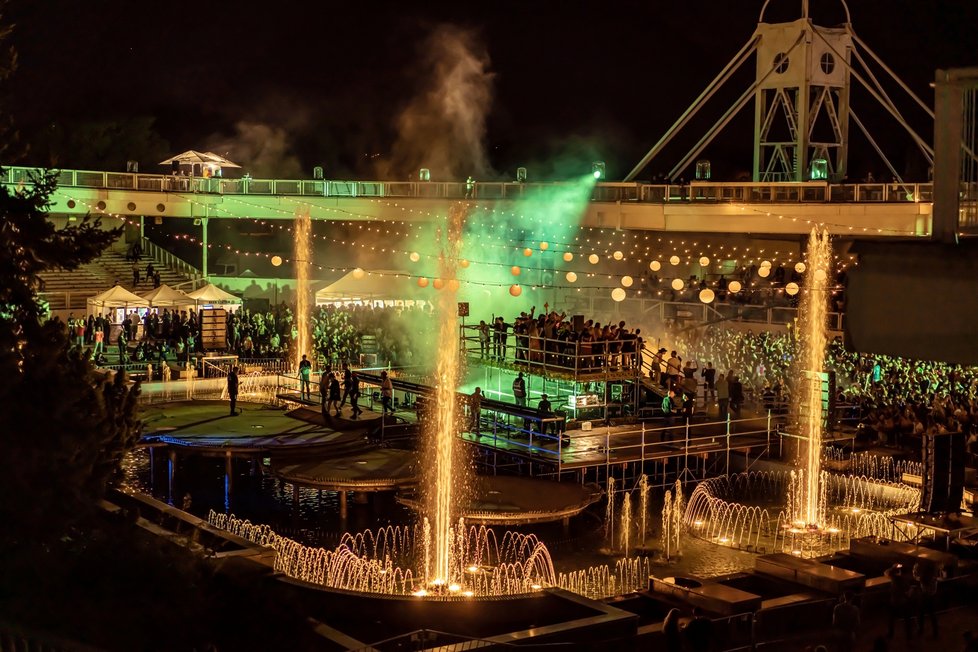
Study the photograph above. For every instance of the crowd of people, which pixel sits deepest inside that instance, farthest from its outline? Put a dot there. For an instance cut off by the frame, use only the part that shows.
(553, 340)
(893, 400)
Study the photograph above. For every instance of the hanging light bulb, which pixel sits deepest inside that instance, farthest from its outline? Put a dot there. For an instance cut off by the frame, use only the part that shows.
(764, 272)
(515, 270)
(544, 246)
(707, 295)
(515, 290)
(791, 288)
(627, 281)
(800, 268)
(463, 263)
(674, 260)
(734, 286)
(358, 273)
(618, 294)
(422, 282)
(415, 256)
(568, 256)
(655, 266)
(593, 259)
(571, 277)
(527, 252)
(704, 261)
(677, 284)
(618, 255)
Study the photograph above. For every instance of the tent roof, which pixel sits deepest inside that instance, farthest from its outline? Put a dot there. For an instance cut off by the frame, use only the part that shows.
(210, 293)
(376, 284)
(116, 297)
(192, 156)
(167, 296)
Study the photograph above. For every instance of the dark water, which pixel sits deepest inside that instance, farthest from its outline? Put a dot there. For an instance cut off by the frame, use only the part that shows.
(255, 494)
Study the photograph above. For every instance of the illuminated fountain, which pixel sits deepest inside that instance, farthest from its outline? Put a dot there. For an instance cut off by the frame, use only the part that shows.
(806, 511)
(303, 264)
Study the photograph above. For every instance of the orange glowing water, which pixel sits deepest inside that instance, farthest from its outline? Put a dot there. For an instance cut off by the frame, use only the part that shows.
(446, 477)
(303, 264)
(812, 342)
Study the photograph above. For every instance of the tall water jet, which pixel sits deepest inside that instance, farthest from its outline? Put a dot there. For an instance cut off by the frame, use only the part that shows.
(302, 260)
(643, 501)
(811, 344)
(443, 450)
(626, 523)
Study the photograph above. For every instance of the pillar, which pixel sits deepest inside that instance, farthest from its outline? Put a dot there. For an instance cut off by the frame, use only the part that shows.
(343, 510)
(360, 497)
(203, 249)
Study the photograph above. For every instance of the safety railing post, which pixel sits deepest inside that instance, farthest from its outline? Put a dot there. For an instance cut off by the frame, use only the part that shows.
(728, 443)
(768, 433)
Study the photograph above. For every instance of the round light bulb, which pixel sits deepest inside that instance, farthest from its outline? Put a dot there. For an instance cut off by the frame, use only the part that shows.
(820, 275)
(571, 277)
(800, 268)
(422, 282)
(677, 284)
(568, 256)
(515, 290)
(358, 273)
(626, 281)
(593, 259)
(527, 252)
(764, 272)
(415, 256)
(791, 288)
(276, 260)
(618, 255)
(734, 286)
(515, 270)
(618, 294)
(674, 260)
(655, 266)
(707, 295)
(704, 261)
(544, 246)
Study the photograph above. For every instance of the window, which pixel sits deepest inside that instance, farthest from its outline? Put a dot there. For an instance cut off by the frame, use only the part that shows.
(827, 63)
(781, 63)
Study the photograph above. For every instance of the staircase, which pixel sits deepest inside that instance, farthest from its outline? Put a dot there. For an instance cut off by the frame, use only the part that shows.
(69, 290)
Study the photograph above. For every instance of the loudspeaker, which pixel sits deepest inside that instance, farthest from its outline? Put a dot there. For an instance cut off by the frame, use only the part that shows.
(578, 323)
(943, 481)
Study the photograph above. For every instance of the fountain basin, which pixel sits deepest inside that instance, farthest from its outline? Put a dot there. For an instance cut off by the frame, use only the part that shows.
(809, 573)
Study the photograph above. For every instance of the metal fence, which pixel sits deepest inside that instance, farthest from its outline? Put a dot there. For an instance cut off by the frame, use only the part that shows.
(705, 192)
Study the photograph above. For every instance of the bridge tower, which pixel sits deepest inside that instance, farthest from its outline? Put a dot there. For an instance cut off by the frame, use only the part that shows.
(801, 100)
(801, 93)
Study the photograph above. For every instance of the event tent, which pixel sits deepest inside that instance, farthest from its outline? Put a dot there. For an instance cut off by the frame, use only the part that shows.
(211, 294)
(374, 286)
(167, 297)
(116, 297)
(193, 157)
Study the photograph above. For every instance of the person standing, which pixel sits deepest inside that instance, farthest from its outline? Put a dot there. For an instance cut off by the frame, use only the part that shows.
(926, 576)
(233, 390)
(544, 411)
(305, 370)
(519, 390)
(736, 395)
(846, 619)
(355, 393)
(475, 410)
(123, 345)
(723, 397)
(324, 393)
(347, 383)
(135, 274)
(386, 393)
(709, 375)
(334, 394)
(483, 339)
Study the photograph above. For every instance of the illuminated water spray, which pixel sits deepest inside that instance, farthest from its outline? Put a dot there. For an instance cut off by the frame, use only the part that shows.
(446, 476)
(812, 340)
(303, 265)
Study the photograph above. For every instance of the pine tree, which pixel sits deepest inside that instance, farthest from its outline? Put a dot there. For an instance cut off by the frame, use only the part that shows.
(64, 427)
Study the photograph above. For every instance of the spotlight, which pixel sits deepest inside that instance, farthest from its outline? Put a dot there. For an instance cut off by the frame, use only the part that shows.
(598, 169)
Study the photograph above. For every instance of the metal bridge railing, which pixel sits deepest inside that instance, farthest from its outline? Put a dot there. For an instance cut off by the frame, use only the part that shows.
(697, 192)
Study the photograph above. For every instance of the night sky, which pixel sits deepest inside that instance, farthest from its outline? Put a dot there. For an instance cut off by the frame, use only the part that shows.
(103, 81)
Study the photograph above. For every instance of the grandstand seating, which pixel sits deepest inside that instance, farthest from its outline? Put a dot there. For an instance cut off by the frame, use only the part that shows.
(69, 290)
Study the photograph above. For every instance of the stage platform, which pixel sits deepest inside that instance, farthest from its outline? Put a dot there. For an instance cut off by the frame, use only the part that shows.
(208, 428)
(378, 469)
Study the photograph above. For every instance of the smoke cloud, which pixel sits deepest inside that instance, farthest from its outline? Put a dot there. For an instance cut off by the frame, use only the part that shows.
(260, 149)
(443, 127)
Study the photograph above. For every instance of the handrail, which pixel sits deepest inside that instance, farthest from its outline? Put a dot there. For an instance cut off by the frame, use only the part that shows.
(696, 192)
(164, 257)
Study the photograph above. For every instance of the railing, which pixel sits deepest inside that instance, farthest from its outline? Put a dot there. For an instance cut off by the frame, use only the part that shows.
(700, 192)
(538, 354)
(164, 257)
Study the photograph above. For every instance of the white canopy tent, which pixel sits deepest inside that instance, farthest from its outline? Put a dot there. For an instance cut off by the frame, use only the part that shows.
(116, 297)
(210, 294)
(167, 297)
(203, 159)
(387, 287)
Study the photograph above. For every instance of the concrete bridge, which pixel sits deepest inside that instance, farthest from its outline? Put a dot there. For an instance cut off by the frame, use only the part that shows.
(873, 209)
